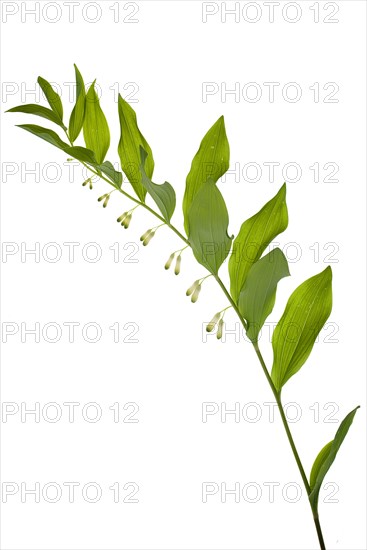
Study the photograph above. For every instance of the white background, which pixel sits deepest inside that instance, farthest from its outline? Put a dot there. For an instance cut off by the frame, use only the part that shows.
(168, 54)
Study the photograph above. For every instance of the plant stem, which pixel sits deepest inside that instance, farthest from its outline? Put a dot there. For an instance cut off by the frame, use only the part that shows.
(319, 532)
(139, 203)
(282, 414)
(284, 419)
(255, 345)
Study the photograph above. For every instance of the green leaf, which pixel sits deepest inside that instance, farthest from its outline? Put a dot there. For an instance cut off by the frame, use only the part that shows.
(257, 298)
(163, 195)
(108, 169)
(129, 149)
(52, 97)
(254, 236)
(38, 110)
(95, 126)
(319, 460)
(82, 154)
(77, 114)
(208, 222)
(86, 155)
(210, 161)
(46, 134)
(305, 314)
(326, 457)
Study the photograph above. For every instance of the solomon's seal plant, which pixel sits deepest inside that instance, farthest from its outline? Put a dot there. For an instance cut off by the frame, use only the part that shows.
(253, 276)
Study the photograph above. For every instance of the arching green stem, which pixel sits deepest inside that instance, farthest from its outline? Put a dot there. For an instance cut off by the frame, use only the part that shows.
(255, 345)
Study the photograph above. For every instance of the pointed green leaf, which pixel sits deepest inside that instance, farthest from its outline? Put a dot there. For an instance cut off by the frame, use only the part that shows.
(108, 169)
(257, 297)
(77, 114)
(254, 236)
(46, 134)
(95, 126)
(305, 314)
(82, 154)
(129, 149)
(326, 457)
(210, 161)
(319, 460)
(208, 222)
(38, 110)
(86, 155)
(52, 97)
(163, 195)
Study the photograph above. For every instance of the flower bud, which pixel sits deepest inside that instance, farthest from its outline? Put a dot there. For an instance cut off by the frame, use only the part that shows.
(168, 263)
(196, 293)
(122, 217)
(102, 197)
(86, 182)
(145, 235)
(192, 288)
(178, 265)
(127, 221)
(106, 200)
(149, 237)
(220, 329)
(90, 184)
(210, 326)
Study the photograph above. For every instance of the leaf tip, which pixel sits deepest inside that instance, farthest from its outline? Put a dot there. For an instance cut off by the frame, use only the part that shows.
(283, 191)
(328, 272)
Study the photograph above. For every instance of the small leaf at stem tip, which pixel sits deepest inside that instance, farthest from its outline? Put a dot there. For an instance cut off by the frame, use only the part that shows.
(192, 288)
(178, 265)
(53, 98)
(220, 329)
(40, 111)
(77, 115)
(95, 126)
(46, 134)
(195, 294)
(168, 263)
(211, 325)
